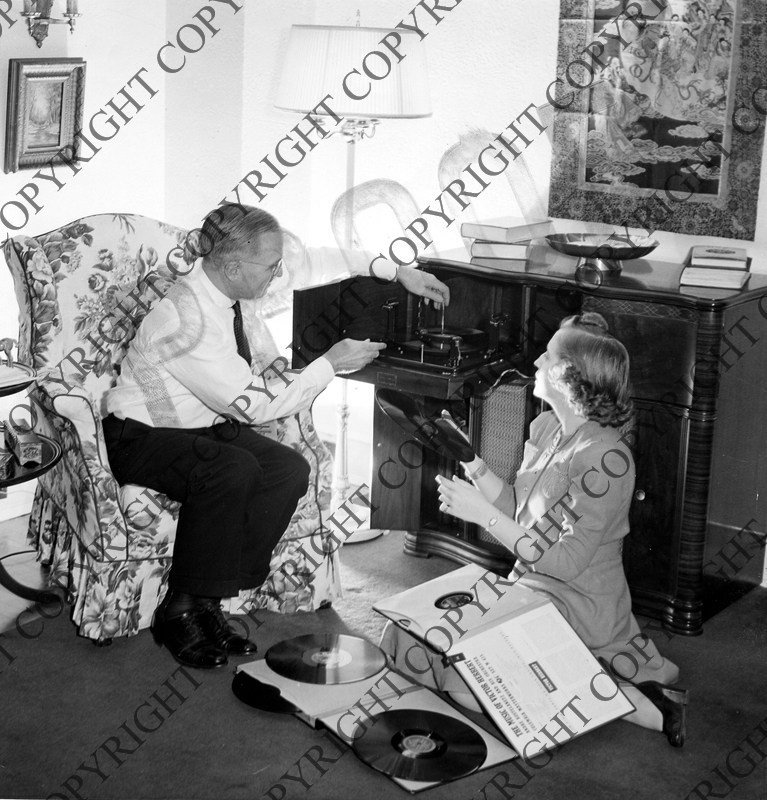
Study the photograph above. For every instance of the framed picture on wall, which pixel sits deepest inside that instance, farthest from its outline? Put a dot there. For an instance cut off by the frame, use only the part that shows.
(45, 109)
(660, 114)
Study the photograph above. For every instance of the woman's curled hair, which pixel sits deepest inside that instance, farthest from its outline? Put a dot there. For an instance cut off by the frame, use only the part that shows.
(593, 371)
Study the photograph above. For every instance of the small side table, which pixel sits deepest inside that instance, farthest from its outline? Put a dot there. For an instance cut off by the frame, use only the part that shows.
(52, 453)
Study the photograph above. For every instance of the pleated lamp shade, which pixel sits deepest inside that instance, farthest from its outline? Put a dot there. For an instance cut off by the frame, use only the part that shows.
(319, 56)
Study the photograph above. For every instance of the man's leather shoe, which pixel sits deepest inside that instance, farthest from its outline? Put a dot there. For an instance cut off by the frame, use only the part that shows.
(187, 641)
(217, 630)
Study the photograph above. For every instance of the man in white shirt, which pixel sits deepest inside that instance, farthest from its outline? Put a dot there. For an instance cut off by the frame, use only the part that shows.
(174, 426)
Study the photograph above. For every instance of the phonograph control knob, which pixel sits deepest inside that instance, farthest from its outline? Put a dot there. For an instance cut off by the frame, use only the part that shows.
(454, 359)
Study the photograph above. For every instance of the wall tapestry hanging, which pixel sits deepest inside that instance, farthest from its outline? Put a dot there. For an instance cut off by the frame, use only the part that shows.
(667, 131)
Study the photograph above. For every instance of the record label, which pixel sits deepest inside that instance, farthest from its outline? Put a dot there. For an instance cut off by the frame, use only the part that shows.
(418, 745)
(414, 745)
(329, 658)
(454, 600)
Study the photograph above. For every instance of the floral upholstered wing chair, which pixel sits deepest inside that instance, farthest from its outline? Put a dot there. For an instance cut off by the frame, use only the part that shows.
(82, 291)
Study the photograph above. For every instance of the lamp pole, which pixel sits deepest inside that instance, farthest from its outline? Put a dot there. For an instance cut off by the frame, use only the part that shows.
(353, 131)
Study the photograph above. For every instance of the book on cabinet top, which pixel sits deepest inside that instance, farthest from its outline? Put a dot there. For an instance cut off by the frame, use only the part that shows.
(513, 250)
(509, 230)
(718, 257)
(716, 278)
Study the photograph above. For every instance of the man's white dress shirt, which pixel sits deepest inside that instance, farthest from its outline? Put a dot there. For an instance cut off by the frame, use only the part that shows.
(182, 369)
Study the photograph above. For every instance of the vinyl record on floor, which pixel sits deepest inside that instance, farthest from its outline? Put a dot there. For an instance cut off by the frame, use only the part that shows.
(260, 695)
(418, 745)
(326, 658)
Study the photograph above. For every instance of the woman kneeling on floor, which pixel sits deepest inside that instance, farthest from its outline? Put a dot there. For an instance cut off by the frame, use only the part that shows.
(575, 485)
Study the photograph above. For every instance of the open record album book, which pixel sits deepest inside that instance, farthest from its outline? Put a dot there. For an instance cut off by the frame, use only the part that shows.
(393, 725)
(516, 652)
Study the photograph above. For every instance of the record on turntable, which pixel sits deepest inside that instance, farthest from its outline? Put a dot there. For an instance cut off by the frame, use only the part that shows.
(418, 745)
(462, 341)
(329, 658)
(442, 349)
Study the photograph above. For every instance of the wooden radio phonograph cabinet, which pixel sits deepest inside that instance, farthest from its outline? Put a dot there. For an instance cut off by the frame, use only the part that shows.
(699, 376)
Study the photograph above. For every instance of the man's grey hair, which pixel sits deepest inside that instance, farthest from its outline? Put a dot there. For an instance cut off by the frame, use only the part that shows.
(232, 228)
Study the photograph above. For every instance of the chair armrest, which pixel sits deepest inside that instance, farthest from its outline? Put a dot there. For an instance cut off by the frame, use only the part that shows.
(81, 484)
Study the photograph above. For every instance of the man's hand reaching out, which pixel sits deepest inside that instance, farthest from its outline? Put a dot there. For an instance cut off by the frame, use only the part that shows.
(349, 355)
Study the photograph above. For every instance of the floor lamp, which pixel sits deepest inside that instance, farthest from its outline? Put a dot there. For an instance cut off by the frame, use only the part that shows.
(367, 83)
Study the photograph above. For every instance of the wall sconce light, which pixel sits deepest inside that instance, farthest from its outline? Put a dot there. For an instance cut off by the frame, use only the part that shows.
(38, 14)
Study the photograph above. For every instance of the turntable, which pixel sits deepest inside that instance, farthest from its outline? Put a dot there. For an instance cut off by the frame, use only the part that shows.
(443, 349)
(429, 352)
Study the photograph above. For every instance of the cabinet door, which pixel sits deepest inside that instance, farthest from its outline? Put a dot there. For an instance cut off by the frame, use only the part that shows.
(651, 550)
(398, 466)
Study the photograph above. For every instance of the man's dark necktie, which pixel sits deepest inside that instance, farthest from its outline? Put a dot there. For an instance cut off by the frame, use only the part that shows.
(243, 348)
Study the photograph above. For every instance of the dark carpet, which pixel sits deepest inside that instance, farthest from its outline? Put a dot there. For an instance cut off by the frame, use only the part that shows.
(77, 721)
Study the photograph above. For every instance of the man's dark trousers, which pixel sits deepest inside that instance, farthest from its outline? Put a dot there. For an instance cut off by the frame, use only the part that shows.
(237, 489)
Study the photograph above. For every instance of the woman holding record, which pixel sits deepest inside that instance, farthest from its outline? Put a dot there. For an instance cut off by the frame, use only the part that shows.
(564, 519)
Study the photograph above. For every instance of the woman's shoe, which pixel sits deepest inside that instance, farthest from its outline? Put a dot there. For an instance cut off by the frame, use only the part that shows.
(671, 703)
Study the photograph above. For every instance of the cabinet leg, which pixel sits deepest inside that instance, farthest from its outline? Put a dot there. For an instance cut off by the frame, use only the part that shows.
(424, 543)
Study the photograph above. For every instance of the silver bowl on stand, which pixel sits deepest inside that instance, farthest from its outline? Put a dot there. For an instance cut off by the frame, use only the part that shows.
(602, 251)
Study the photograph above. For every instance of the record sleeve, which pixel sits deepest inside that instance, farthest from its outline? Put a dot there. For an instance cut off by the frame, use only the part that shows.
(317, 700)
(350, 726)
(468, 597)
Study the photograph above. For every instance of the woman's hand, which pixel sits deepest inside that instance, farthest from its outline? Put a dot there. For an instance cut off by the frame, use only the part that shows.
(464, 501)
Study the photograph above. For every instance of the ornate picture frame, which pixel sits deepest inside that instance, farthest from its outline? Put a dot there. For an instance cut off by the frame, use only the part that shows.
(45, 110)
(667, 131)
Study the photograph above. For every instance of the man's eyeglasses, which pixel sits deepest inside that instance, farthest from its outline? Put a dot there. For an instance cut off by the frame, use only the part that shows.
(273, 268)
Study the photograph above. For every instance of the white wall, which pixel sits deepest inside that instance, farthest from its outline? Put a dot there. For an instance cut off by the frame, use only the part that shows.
(203, 126)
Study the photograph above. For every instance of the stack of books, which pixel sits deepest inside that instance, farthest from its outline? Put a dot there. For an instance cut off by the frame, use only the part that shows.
(717, 267)
(504, 239)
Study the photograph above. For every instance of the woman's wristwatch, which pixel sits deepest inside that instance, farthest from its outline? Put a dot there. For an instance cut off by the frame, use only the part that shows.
(493, 521)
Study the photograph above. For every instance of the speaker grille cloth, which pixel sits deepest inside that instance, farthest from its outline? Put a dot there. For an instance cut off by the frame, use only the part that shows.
(635, 307)
(502, 433)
